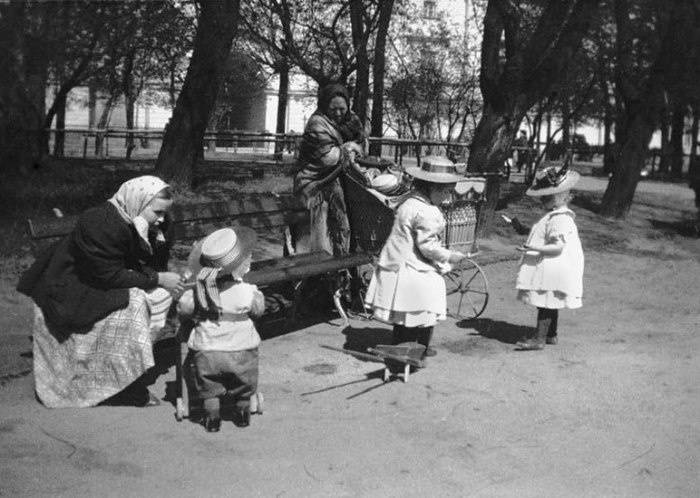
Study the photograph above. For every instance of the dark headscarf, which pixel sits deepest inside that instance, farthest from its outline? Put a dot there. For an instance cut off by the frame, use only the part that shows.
(351, 127)
(328, 93)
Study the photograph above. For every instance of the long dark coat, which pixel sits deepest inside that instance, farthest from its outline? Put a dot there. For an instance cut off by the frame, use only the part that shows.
(87, 275)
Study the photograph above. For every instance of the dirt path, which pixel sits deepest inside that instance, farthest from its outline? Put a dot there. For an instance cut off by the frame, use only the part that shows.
(611, 411)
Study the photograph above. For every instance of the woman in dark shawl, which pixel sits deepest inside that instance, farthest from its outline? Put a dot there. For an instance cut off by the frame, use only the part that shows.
(332, 138)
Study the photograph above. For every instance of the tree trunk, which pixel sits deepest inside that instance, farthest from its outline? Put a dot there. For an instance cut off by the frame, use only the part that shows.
(102, 125)
(638, 110)
(92, 106)
(630, 159)
(22, 94)
(129, 142)
(129, 100)
(608, 120)
(676, 143)
(511, 86)
(359, 41)
(377, 124)
(282, 103)
(665, 152)
(60, 138)
(694, 163)
(565, 128)
(694, 129)
(491, 145)
(183, 141)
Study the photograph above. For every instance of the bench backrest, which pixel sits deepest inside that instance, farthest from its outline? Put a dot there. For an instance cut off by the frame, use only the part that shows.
(193, 221)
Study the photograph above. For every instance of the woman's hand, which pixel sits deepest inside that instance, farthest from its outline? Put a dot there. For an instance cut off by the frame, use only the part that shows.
(353, 149)
(172, 282)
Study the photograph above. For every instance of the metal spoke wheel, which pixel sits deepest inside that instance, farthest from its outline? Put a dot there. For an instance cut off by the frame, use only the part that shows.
(467, 291)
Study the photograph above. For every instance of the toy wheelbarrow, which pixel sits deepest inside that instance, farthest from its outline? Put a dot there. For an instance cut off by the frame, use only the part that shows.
(398, 359)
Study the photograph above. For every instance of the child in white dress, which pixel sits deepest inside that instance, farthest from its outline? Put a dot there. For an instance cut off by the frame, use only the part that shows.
(550, 275)
(407, 288)
(224, 339)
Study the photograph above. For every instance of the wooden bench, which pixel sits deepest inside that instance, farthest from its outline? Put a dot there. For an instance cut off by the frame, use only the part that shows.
(265, 212)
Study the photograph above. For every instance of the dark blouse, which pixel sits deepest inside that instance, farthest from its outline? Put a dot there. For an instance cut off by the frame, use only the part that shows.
(87, 275)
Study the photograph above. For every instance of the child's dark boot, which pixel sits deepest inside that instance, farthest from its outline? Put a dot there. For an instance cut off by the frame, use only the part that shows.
(425, 336)
(546, 325)
(212, 417)
(241, 413)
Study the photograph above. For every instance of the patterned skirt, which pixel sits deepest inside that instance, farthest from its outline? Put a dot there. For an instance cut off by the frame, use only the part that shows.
(84, 369)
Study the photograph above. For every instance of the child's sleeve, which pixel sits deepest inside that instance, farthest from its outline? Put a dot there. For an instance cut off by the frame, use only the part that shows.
(427, 233)
(185, 306)
(560, 228)
(257, 306)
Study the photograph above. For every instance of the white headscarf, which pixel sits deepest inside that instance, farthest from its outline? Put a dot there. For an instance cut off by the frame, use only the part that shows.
(133, 196)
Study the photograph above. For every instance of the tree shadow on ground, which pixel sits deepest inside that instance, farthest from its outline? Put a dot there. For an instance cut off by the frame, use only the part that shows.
(508, 333)
(590, 201)
(684, 228)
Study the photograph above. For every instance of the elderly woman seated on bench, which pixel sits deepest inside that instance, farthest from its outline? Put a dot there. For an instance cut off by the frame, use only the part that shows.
(102, 294)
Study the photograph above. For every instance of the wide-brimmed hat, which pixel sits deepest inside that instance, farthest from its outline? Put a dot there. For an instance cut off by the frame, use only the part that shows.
(553, 181)
(436, 169)
(224, 249)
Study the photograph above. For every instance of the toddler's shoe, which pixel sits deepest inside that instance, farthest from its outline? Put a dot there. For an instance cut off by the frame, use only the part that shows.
(241, 417)
(256, 403)
(212, 424)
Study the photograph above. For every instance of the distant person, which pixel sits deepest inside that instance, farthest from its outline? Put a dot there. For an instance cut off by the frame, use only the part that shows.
(550, 274)
(224, 339)
(407, 288)
(522, 152)
(102, 295)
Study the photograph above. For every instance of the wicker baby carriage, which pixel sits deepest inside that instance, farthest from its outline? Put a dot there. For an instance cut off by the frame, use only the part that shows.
(371, 217)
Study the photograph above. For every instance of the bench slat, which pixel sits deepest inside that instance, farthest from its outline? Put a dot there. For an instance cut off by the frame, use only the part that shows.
(257, 212)
(289, 261)
(249, 205)
(196, 230)
(300, 272)
(45, 228)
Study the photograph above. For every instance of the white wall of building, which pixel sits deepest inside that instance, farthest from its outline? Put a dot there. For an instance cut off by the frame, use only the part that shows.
(147, 114)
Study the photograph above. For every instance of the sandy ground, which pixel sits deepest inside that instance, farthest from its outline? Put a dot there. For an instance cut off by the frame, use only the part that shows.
(612, 411)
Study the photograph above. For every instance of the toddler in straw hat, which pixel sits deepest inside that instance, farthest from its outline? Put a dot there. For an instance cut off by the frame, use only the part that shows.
(224, 340)
(550, 275)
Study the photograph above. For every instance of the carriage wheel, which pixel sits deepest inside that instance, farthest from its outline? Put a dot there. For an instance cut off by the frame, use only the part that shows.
(471, 287)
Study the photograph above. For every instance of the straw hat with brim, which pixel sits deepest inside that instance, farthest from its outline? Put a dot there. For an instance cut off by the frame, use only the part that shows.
(553, 181)
(224, 249)
(436, 169)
